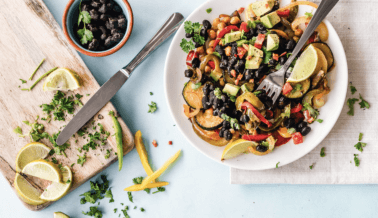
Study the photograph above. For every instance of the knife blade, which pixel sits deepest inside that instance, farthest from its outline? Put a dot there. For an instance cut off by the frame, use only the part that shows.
(110, 88)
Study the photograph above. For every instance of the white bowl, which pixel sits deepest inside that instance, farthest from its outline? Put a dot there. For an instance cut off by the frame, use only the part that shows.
(285, 154)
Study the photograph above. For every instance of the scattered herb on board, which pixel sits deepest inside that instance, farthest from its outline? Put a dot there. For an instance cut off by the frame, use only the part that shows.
(60, 105)
(277, 164)
(151, 93)
(352, 89)
(350, 103)
(18, 130)
(152, 107)
(209, 10)
(84, 34)
(109, 194)
(35, 71)
(130, 197)
(311, 166)
(363, 103)
(23, 81)
(107, 155)
(54, 160)
(308, 15)
(322, 152)
(142, 209)
(58, 149)
(360, 136)
(118, 136)
(359, 146)
(39, 79)
(81, 159)
(97, 191)
(93, 211)
(356, 160)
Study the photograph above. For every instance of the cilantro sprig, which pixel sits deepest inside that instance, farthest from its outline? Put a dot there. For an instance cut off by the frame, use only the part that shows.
(192, 29)
(152, 107)
(84, 34)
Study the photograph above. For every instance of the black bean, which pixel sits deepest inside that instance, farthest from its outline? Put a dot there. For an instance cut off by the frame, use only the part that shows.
(234, 51)
(204, 34)
(263, 69)
(117, 8)
(223, 64)
(215, 112)
(262, 31)
(205, 88)
(95, 4)
(211, 87)
(205, 103)
(261, 148)
(250, 34)
(226, 124)
(269, 103)
(260, 26)
(117, 37)
(94, 14)
(122, 23)
(102, 9)
(217, 103)
(93, 45)
(272, 62)
(249, 74)
(290, 45)
(240, 66)
(282, 102)
(221, 132)
(306, 130)
(188, 73)
(283, 60)
(227, 135)
(224, 98)
(219, 49)
(206, 24)
(301, 125)
(196, 62)
(244, 118)
(289, 123)
(233, 61)
(189, 35)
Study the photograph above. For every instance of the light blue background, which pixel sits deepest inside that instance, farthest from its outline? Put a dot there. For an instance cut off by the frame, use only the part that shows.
(198, 186)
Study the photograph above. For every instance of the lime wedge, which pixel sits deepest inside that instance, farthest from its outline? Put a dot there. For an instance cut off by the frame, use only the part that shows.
(43, 170)
(60, 215)
(57, 190)
(305, 66)
(26, 191)
(62, 79)
(31, 152)
(235, 148)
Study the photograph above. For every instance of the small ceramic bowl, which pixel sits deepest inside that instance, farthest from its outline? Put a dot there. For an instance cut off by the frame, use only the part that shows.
(70, 17)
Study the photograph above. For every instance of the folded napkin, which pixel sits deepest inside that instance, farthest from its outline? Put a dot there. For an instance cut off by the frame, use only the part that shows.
(354, 23)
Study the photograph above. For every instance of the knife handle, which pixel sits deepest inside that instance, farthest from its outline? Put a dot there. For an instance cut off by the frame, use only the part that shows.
(169, 27)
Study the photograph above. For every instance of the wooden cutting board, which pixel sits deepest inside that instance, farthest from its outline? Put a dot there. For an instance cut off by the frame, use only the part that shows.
(29, 33)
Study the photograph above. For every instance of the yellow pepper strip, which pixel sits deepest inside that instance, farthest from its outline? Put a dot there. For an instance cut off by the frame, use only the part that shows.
(139, 145)
(160, 171)
(138, 187)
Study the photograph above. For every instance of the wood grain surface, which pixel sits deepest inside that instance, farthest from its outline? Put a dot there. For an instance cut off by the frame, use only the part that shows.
(29, 33)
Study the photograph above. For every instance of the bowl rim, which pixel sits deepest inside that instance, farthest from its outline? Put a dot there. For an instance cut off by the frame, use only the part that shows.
(107, 52)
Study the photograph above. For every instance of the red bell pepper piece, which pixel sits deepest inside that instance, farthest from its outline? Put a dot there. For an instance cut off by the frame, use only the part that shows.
(246, 105)
(283, 54)
(244, 26)
(191, 55)
(240, 10)
(211, 64)
(280, 140)
(240, 76)
(286, 89)
(269, 114)
(241, 52)
(275, 56)
(255, 138)
(296, 109)
(216, 42)
(259, 41)
(297, 138)
(284, 13)
(226, 30)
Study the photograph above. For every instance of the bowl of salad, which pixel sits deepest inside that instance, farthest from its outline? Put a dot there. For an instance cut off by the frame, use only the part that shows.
(219, 57)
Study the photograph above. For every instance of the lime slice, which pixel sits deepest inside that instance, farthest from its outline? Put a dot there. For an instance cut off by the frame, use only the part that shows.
(26, 191)
(43, 170)
(305, 66)
(236, 148)
(60, 215)
(57, 190)
(62, 79)
(31, 152)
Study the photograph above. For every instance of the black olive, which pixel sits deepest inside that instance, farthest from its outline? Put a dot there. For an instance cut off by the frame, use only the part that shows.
(283, 60)
(219, 49)
(224, 98)
(222, 110)
(102, 9)
(206, 24)
(290, 45)
(262, 31)
(250, 34)
(117, 37)
(282, 101)
(262, 69)
(289, 123)
(93, 45)
(94, 14)
(223, 64)
(226, 124)
(259, 74)
(261, 148)
(221, 132)
(189, 35)
(215, 112)
(249, 74)
(85, 7)
(196, 62)
(301, 125)
(272, 62)
(244, 118)
(205, 103)
(240, 66)
(117, 8)
(217, 103)
(188, 73)
(113, 23)
(203, 33)
(227, 135)
(197, 45)
(122, 23)
(260, 26)
(211, 87)
(95, 4)
(306, 130)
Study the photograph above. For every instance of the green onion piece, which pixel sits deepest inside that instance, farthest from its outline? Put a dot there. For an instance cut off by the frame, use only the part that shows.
(35, 71)
(39, 79)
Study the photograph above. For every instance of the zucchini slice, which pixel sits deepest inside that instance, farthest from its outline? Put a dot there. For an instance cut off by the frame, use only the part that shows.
(193, 97)
(305, 86)
(207, 121)
(327, 52)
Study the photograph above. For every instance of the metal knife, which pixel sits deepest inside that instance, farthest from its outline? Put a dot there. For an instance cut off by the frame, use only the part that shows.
(110, 88)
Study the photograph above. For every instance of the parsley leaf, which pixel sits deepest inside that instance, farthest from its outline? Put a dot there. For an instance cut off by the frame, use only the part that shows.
(199, 39)
(197, 27)
(360, 136)
(18, 130)
(93, 211)
(23, 81)
(85, 35)
(188, 27)
(85, 17)
(311, 166)
(319, 120)
(130, 197)
(359, 146)
(350, 103)
(209, 10)
(81, 159)
(277, 164)
(356, 160)
(363, 103)
(308, 15)
(186, 45)
(107, 155)
(109, 194)
(353, 89)
(159, 189)
(152, 107)
(322, 153)
(138, 180)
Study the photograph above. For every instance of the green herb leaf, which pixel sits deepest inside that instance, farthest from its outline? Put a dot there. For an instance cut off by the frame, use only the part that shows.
(130, 197)
(85, 35)
(309, 15)
(356, 160)
(138, 180)
(353, 89)
(151, 93)
(186, 45)
(363, 103)
(311, 167)
(277, 164)
(209, 10)
(319, 120)
(142, 209)
(359, 146)
(109, 194)
(18, 130)
(82, 159)
(152, 107)
(188, 27)
(93, 211)
(218, 93)
(159, 189)
(322, 152)
(199, 39)
(23, 81)
(291, 131)
(360, 136)
(350, 103)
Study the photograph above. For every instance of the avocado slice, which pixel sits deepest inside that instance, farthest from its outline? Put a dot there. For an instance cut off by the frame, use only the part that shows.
(247, 87)
(273, 42)
(231, 89)
(256, 60)
(262, 7)
(215, 75)
(270, 20)
(232, 37)
(253, 51)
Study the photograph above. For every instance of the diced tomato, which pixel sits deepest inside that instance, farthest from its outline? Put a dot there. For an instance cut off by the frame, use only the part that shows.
(284, 13)
(240, 76)
(283, 54)
(308, 116)
(259, 41)
(244, 26)
(233, 73)
(240, 10)
(275, 56)
(154, 143)
(255, 138)
(246, 105)
(280, 140)
(297, 138)
(241, 52)
(191, 55)
(298, 117)
(211, 64)
(286, 89)
(170, 142)
(296, 109)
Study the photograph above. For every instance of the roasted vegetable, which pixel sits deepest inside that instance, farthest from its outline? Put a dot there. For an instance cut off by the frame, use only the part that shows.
(193, 97)
(207, 121)
(251, 98)
(326, 51)
(212, 137)
(298, 93)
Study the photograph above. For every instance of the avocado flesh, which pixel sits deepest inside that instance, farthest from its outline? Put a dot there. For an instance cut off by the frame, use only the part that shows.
(273, 42)
(231, 89)
(270, 20)
(262, 7)
(232, 37)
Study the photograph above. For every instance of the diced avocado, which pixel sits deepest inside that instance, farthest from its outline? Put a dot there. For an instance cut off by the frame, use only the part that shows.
(231, 89)
(270, 20)
(241, 42)
(232, 37)
(245, 88)
(215, 75)
(253, 63)
(273, 42)
(253, 51)
(262, 7)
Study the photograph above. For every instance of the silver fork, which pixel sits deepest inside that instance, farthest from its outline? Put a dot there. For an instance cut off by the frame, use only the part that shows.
(273, 83)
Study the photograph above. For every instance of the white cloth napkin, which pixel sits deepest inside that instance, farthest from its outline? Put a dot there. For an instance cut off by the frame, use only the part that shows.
(354, 21)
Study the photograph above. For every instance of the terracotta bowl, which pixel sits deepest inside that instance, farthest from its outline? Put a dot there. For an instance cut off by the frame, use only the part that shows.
(70, 17)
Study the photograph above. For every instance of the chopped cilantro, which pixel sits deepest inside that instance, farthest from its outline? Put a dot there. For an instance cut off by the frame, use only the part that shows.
(78, 96)
(109, 194)
(277, 164)
(360, 136)
(356, 160)
(18, 130)
(152, 107)
(209, 10)
(363, 103)
(322, 153)
(23, 81)
(142, 209)
(125, 213)
(159, 189)
(151, 93)
(54, 160)
(186, 45)
(319, 120)
(107, 155)
(311, 166)
(81, 159)
(308, 15)
(130, 197)
(93, 211)
(115, 210)
(359, 146)
(59, 105)
(350, 103)
(218, 93)
(353, 89)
